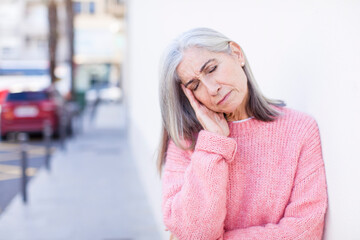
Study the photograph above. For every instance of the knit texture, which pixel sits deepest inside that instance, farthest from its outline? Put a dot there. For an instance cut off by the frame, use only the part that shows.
(265, 181)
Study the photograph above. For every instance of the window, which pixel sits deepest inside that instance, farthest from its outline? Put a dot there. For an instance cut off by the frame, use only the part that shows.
(91, 7)
(27, 96)
(77, 7)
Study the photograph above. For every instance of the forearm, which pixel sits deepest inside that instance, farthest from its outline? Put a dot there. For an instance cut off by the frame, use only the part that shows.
(194, 206)
(303, 218)
(197, 209)
(290, 230)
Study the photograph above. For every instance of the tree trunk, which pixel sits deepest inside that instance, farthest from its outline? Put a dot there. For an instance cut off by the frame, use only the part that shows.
(52, 18)
(70, 34)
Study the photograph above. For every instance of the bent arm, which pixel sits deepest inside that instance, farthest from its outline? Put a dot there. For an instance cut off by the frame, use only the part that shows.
(303, 218)
(304, 215)
(194, 187)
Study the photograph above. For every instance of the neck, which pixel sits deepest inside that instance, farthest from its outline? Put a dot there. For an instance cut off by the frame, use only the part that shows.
(240, 113)
(237, 115)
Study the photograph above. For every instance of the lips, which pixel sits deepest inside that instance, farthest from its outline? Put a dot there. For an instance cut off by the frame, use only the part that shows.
(224, 98)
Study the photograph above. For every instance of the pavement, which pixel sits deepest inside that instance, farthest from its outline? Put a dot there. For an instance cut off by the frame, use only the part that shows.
(92, 191)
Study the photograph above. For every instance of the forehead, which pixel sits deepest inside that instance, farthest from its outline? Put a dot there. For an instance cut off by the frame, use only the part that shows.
(193, 59)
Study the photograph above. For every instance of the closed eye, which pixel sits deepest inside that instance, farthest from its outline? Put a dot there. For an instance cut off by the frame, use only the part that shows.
(192, 84)
(195, 85)
(213, 69)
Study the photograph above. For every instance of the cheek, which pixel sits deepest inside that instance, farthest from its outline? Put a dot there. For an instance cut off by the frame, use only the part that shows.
(244, 85)
(202, 96)
(241, 83)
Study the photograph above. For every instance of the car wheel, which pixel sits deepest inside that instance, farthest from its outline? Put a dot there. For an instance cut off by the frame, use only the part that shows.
(3, 137)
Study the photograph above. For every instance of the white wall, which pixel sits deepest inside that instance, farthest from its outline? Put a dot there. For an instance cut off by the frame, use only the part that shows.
(306, 53)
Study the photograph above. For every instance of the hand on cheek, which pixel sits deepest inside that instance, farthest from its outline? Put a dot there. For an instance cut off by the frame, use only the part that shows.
(209, 120)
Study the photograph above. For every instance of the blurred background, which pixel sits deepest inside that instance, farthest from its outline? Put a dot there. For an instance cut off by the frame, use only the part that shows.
(83, 68)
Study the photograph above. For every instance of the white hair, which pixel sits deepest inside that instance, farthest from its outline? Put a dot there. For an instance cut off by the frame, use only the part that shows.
(179, 119)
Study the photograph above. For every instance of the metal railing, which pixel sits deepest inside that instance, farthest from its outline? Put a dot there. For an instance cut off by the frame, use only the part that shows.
(69, 125)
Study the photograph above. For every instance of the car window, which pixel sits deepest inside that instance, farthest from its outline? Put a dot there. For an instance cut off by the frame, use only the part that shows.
(27, 96)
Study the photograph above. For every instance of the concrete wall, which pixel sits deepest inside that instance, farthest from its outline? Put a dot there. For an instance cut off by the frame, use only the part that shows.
(306, 53)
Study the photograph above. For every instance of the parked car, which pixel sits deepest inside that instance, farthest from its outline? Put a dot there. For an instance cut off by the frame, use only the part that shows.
(29, 111)
(3, 94)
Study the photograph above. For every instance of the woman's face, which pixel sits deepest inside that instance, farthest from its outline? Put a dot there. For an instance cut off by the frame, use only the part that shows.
(217, 80)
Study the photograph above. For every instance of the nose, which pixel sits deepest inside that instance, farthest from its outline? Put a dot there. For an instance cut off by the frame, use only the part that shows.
(212, 86)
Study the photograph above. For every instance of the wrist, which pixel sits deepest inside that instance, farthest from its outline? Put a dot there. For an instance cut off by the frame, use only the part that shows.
(215, 143)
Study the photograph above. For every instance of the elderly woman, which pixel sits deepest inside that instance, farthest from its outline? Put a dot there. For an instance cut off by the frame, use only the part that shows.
(235, 164)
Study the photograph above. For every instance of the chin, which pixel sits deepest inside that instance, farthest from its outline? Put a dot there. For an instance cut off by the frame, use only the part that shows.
(226, 112)
(229, 109)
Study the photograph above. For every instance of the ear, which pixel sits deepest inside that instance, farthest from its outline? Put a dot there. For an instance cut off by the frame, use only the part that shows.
(237, 52)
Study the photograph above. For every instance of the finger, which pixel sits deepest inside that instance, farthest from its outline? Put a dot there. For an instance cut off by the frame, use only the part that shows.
(200, 109)
(189, 94)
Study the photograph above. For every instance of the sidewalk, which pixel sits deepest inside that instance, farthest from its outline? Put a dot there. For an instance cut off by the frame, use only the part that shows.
(93, 191)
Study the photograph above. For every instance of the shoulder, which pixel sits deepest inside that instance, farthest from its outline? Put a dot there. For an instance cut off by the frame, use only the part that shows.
(294, 117)
(296, 122)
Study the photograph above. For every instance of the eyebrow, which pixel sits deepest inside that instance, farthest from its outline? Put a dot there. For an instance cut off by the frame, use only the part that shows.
(201, 70)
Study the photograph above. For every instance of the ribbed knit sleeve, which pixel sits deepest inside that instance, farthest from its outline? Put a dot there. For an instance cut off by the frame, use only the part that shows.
(304, 214)
(194, 187)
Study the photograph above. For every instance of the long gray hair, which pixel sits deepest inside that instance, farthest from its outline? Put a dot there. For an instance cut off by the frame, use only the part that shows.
(179, 122)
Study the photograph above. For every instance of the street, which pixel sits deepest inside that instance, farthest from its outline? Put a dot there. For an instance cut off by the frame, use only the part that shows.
(10, 165)
(93, 190)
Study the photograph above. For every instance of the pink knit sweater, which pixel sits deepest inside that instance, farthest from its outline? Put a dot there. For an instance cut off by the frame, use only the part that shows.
(265, 181)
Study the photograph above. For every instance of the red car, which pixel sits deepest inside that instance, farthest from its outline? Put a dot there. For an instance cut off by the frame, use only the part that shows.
(29, 111)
